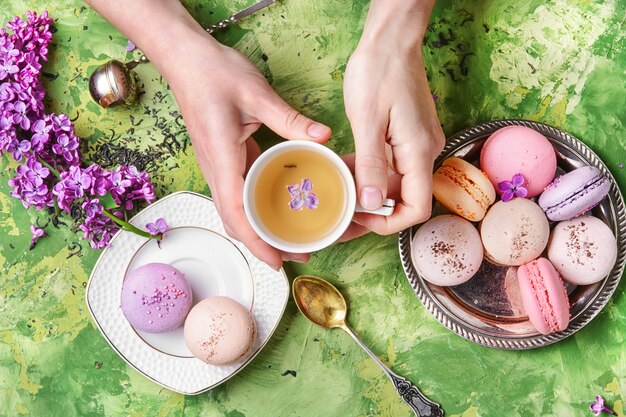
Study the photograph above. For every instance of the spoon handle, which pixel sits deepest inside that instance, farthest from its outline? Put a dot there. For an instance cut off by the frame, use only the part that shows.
(421, 406)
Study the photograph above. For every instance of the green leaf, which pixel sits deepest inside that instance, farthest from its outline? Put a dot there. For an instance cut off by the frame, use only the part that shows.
(107, 201)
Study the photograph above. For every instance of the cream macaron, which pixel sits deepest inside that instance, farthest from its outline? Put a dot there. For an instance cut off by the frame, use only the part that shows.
(514, 232)
(219, 330)
(583, 250)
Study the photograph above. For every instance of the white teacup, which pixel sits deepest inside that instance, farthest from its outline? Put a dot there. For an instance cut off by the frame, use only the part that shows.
(300, 197)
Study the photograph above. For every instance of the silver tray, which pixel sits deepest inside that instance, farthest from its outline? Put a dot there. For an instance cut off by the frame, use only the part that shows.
(485, 310)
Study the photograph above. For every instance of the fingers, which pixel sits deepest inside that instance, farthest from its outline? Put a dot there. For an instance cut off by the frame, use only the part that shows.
(296, 257)
(225, 176)
(415, 195)
(354, 230)
(252, 153)
(370, 129)
(279, 116)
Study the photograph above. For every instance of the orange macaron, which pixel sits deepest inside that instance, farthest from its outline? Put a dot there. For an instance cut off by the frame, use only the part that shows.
(463, 189)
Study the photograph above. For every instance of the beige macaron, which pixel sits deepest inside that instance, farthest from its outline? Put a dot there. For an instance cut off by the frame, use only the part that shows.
(463, 189)
(514, 232)
(219, 330)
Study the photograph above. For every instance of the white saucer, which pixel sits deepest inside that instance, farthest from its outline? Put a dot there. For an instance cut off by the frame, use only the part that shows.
(213, 263)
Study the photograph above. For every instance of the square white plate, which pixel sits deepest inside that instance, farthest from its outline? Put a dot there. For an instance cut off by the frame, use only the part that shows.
(213, 263)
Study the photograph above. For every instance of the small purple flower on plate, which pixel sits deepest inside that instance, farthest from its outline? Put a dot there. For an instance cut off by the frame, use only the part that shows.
(513, 188)
(598, 407)
(302, 195)
(158, 227)
(37, 232)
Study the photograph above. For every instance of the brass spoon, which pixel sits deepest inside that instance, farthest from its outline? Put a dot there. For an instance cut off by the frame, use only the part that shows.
(323, 304)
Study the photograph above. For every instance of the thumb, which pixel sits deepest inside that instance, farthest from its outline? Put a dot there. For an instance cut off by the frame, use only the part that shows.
(370, 161)
(279, 116)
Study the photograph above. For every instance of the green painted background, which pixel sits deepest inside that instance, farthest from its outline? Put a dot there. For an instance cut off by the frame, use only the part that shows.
(561, 62)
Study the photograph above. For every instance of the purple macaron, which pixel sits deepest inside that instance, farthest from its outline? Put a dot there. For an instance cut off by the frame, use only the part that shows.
(574, 193)
(156, 298)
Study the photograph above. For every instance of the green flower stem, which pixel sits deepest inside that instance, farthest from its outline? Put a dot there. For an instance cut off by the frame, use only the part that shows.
(125, 225)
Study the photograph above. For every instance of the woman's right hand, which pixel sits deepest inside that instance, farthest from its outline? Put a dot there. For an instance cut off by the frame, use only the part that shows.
(224, 99)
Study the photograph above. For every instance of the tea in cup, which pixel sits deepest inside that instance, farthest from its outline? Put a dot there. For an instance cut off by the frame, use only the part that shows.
(300, 197)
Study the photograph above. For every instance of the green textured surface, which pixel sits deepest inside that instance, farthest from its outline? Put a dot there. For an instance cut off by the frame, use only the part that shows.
(560, 62)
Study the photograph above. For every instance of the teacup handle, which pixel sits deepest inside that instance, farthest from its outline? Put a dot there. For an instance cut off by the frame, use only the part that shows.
(385, 210)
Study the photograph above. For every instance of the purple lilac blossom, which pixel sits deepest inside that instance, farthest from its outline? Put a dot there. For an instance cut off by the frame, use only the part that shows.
(302, 195)
(158, 227)
(36, 233)
(598, 407)
(513, 188)
(65, 147)
(48, 141)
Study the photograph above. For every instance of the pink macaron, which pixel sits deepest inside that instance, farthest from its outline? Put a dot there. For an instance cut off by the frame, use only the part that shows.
(544, 296)
(446, 250)
(519, 150)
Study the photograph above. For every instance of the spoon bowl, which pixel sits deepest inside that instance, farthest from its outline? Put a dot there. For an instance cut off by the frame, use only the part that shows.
(320, 302)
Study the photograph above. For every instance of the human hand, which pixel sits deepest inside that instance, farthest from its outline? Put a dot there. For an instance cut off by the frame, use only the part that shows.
(393, 118)
(224, 99)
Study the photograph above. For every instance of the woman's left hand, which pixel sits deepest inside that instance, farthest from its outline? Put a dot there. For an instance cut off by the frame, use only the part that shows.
(393, 118)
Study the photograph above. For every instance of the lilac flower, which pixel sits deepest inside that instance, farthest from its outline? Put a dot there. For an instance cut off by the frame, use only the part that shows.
(92, 207)
(72, 186)
(20, 117)
(100, 183)
(36, 234)
(6, 68)
(33, 171)
(513, 188)
(302, 195)
(6, 123)
(61, 123)
(598, 407)
(7, 138)
(99, 230)
(41, 134)
(147, 191)
(65, 147)
(19, 149)
(158, 227)
(80, 178)
(119, 182)
(31, 195)
(130, 46)
(27, 131)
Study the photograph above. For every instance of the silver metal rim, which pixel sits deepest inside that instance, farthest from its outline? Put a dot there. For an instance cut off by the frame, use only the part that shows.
(604, 293)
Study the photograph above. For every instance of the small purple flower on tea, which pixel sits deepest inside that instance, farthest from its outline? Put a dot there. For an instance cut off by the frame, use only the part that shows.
(598, 407)
(302, 195)
(513, 188)
(158, 227)
(36, 234)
